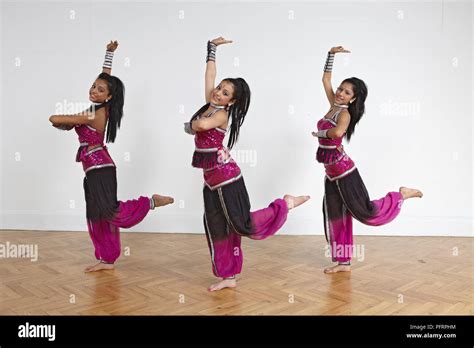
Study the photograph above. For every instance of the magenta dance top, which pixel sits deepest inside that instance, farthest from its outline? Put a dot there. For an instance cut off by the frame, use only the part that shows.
(96, 158)
(336, 163)
(214, 158)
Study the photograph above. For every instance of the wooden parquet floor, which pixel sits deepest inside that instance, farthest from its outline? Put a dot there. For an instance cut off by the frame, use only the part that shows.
(168, 274)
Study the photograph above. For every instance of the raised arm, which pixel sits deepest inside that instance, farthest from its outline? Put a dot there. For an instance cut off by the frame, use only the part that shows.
(67, 122)
(328, 72)
(109, 55)
(210, 77)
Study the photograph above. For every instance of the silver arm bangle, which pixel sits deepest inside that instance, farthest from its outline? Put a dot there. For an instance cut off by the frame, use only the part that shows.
(322, 134)
(188, 128)
(329, 62)
(109, 56)
(211, 51)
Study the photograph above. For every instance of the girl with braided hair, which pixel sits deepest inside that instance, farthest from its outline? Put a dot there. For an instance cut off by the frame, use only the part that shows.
(227, 215)
(105, 214)
(345, 194)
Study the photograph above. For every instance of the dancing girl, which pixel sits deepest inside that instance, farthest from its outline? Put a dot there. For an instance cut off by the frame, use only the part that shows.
(346, 196)
(227, 215)
(105, 214)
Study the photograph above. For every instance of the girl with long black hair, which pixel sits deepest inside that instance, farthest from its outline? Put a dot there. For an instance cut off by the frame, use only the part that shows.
(345, 193)
(105, 214)
(227, 215)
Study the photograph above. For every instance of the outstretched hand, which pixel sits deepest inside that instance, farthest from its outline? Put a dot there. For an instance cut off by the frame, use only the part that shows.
(220, 41)
(339, 49)
(112, 46)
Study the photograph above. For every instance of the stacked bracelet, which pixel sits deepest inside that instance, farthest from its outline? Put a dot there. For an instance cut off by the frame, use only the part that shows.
(152, 203)
(329, 62)
(108, 60)
(188, 128)
(211, 51)
(322, 134)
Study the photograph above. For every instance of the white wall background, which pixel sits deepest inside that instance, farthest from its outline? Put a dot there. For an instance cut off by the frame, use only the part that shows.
(416, 58)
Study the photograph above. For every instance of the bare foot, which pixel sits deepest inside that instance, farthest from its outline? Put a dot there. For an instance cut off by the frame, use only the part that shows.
(293, 202)
(410, 193)
(162, 200)
(224, 283)
(338, 268)
(99, 267)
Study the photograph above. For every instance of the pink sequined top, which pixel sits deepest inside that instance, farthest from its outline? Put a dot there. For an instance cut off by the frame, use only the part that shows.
(96, 158)
(337, 164)
(213, 157)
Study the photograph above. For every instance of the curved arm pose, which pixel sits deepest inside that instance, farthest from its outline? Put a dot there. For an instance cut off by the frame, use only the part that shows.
(345, 193)
(227, 215)
(105, 214)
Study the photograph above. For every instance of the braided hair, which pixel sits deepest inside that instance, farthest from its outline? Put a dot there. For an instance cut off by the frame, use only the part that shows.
(115, 105)
(357, 108)
(238, 109)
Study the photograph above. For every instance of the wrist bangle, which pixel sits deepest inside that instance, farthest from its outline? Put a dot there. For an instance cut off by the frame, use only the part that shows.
(322, 134)
(211, 51)
(188, 128)
(108, 60)
(329, 62)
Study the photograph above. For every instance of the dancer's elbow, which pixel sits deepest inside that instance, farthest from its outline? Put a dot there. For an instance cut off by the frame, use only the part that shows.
(198, 126)
(336, 134)
(204, 124)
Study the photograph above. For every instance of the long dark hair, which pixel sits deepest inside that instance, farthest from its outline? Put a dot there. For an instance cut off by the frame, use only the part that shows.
(237, 110)
(357, 108)
(115, 105)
